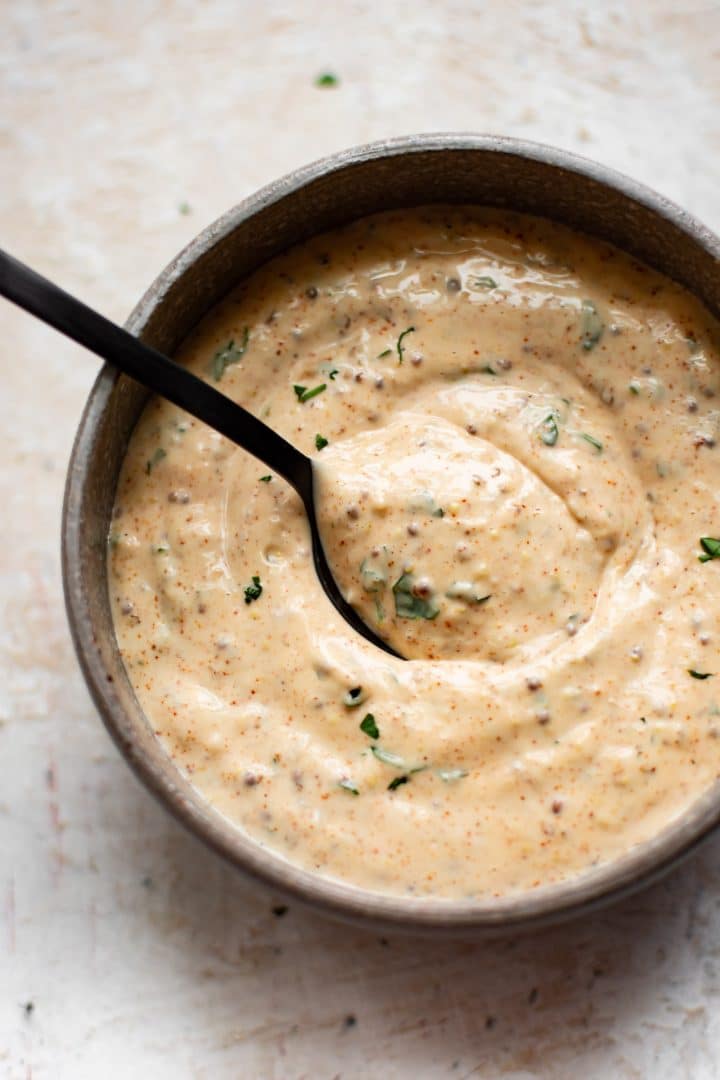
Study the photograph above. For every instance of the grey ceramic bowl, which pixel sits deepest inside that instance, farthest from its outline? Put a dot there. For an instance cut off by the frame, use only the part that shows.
(400, 172)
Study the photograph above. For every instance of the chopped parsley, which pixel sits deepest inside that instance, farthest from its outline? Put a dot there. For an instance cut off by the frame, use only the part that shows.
(410, 606)
(369, 727)
(320, 442)
(382, 355)
(711, 548)
(593, 442)
(332, 373)
(448, 775)
(157, 457)
(327, 79)
(591, 324)
(634, 387)
(549, 430)
(388, 758)
(354, 697)
(485, 282)
(488, 370)
(373, 578)
(303, 394)
(400, 347)
(700, 674)
(254, 591)
(231, 354)
(348, 785)
(265, 479)
(397, 782)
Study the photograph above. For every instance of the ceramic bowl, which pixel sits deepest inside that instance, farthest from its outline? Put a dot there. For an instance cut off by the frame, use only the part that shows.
(402, 172)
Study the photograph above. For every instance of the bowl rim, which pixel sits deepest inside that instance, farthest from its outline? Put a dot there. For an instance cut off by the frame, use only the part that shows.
(443, 917)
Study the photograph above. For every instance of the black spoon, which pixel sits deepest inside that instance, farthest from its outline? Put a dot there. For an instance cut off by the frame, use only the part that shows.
(57, 308)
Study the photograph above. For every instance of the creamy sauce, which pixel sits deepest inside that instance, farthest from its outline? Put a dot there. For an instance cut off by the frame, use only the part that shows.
(515, 440)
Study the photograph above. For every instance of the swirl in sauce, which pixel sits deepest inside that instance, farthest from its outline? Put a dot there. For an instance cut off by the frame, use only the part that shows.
(516, 457)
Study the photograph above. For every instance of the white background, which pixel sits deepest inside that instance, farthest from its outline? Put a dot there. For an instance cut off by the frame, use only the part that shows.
(141, 954)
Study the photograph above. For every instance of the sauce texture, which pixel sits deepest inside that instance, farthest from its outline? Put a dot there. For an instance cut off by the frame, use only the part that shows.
(515, 434)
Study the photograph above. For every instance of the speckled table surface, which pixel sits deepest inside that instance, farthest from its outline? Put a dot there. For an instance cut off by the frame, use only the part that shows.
(125, 947)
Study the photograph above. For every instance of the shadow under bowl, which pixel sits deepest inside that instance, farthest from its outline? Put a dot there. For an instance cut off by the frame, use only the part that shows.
(404, 172)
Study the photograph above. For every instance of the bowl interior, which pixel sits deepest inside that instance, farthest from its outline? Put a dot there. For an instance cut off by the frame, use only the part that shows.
(400, 173)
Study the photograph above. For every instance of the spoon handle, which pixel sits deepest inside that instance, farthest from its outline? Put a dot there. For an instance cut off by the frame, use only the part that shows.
(71, 317)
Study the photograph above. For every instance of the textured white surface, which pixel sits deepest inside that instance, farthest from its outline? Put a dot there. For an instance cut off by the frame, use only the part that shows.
(140, 952)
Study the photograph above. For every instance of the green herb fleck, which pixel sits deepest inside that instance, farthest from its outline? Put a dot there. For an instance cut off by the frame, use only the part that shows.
(711, 548)
(634, 387)
(185, 208)
(410, 606)
(161, 549)
(388, 758)
(439, 513)
(549, 430)
(485, 282)
(593, 442)
(348, 785)
(254, 591)
(592, 325)
(320, 442)
(487, 370)
(700, 674)
(354, 697)
(448, 775)
(265, 479)
(400, 347)
(382, 355)
(397, 782)
(155, 459)
(374, 578)
(231, 354)
(332, 373)
(303, 394)
(327, 79)
(114, 539)
(369, 727)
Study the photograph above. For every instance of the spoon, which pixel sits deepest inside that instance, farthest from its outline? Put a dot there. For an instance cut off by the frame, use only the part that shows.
(149, 367)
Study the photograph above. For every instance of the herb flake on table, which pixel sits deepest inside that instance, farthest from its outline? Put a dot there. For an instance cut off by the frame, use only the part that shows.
(399, 346)
(397, 782)
(327, 79)
(382, 355)
(592, 326)
(369, 727)
(408, 605)
(231, 354)
(303, 394)
(265, 479)
(320, 442)
(155, 459)
(485, 282)
(253, 591)
(711, 548)
(700, 674)
(348, 785)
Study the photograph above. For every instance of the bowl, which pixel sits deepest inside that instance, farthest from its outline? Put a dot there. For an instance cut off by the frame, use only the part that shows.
(395, 173)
